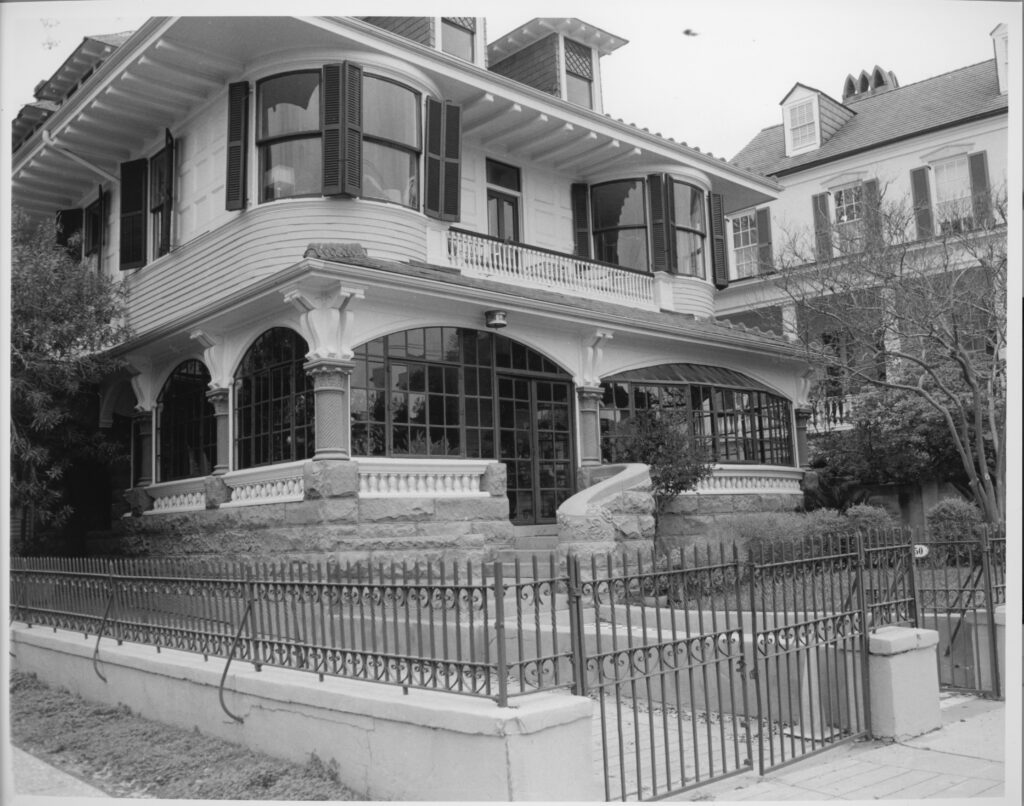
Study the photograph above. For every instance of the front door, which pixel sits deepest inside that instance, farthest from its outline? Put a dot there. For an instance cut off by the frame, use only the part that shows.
(535, 443)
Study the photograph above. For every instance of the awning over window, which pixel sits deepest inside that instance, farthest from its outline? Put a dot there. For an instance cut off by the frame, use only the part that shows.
(690, 373)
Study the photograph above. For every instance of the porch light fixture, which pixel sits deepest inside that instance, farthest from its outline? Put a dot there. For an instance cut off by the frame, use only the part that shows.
(496, 319)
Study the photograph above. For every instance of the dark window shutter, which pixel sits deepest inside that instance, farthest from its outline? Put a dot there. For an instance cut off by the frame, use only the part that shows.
(765, 260)
(237, 146)
(341, 117)
(167, 200)
(68, 224)
(872, 212)
(662, 235)
(922, 202)
(581, 220)
(133, 214)
(980, 189)
(433, 158)
(452, 163)
(719, 262)
(352, 129)
(822, 227)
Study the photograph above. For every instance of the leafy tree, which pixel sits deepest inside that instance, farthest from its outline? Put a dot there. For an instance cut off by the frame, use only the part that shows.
(923, 319)
(662, 440)
(64, 319)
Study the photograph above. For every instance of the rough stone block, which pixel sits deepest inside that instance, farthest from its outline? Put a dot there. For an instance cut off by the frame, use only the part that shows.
(138, 500)
(217, 492)
(395, 509)
(684, 504)
(632, 501)
(470, 509)
(710, 504)
(330, 479)
(494, 481)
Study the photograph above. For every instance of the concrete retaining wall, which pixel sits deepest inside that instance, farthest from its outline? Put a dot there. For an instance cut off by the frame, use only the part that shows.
(388, 746)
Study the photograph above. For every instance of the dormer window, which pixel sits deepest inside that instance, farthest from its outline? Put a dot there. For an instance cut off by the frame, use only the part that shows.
(803, 130)
(457, 36)
(579, 74)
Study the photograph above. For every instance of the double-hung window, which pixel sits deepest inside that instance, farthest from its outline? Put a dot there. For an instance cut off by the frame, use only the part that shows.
(579, 74)
(849, 204)
(288, 135)
(802, 126)
(504, 188)
(744, 245)
(619, 224)
(690, 229)
(953, 194)
(391, 142)
(457, 36)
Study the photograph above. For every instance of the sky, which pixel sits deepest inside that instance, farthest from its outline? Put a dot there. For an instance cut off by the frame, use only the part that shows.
(715, 90)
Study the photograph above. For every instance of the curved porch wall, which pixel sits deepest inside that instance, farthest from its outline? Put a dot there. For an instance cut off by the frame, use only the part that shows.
(258, 243)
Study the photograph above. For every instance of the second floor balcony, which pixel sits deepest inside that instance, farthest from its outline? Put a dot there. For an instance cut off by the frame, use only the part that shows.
(482, 256)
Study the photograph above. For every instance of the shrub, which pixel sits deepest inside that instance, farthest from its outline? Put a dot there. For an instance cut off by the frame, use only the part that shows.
(953, 519)
(869, 519)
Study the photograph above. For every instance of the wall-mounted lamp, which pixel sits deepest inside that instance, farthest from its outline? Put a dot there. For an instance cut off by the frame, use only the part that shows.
(496, 319)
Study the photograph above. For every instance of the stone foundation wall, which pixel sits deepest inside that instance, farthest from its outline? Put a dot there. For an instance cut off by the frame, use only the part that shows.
(691, 519)
(332, 523)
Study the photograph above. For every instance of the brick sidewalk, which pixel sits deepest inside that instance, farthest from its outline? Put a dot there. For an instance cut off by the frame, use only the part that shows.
(963, 759)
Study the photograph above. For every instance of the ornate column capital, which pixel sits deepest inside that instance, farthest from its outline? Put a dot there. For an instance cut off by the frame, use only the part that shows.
(323, 304)
(591, 396)
(329, 373)
(218, 398)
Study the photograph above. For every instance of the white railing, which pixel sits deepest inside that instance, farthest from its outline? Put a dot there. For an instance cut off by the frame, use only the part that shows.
(751, 479)
(831, 414)
(273, 484)
(433, 478)
(184, 495)
(480, 256)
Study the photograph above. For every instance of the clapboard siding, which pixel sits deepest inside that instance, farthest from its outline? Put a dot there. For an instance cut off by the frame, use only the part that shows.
(260, 242)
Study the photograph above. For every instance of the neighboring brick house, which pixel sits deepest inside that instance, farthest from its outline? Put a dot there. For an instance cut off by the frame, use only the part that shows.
(384, 298)
(938, 145)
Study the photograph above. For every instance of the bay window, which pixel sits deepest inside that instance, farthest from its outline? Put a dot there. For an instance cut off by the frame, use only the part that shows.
(391, 142)
(690, 229)
(288, 135)
(618, 213)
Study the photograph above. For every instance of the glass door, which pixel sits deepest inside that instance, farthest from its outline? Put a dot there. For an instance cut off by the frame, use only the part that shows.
(535, 443)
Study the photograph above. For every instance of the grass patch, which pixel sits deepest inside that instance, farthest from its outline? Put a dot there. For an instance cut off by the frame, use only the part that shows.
(128, 756)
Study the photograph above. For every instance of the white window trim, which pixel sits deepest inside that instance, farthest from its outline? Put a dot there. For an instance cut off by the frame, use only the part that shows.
(733, 249)
(479, 44)
(792, 150)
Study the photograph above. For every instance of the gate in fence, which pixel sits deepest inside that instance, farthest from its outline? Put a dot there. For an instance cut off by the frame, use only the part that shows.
(960, 581)
(700, 666)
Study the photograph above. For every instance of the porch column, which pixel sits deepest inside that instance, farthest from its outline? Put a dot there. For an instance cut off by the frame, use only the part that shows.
(143, 422)
(803, 416)
(590, 424)
(219, 400)
(330, 394)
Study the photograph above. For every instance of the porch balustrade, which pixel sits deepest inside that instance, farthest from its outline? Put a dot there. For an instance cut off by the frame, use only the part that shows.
(272, 484)
(482, 256)
(406, 478)
(751, 479)
(832, 413)
(184, 495)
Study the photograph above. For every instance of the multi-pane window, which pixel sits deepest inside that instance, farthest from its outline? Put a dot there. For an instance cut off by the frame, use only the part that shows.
(288, 135)
(619, 223)
(953, 194)
(802, 127)
(849, 204)
(273, 401)
(689, 217)
(504, 188)
(186, 427)
(744, 245)
(160, 201)
(391, 142)
(730, 425)
(579, 74)
(457, 35)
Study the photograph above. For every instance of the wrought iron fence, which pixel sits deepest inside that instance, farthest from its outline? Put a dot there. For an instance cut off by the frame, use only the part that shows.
(479, 628)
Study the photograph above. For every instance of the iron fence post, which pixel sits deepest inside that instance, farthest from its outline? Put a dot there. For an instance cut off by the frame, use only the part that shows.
(912, 577)
(576, 626)
(499, 633)
(754, 673)
(865, 632)
(990, 607)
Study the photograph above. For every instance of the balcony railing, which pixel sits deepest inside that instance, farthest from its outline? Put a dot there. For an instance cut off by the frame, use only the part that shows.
(832, 413)
(482, 256)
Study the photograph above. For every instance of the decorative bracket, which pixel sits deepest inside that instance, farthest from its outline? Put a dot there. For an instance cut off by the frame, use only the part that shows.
(325, 316)
(141, 369)
(593, 354)
(213, 357)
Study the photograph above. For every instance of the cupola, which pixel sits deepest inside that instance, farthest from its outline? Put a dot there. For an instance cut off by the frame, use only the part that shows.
(560, 56)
